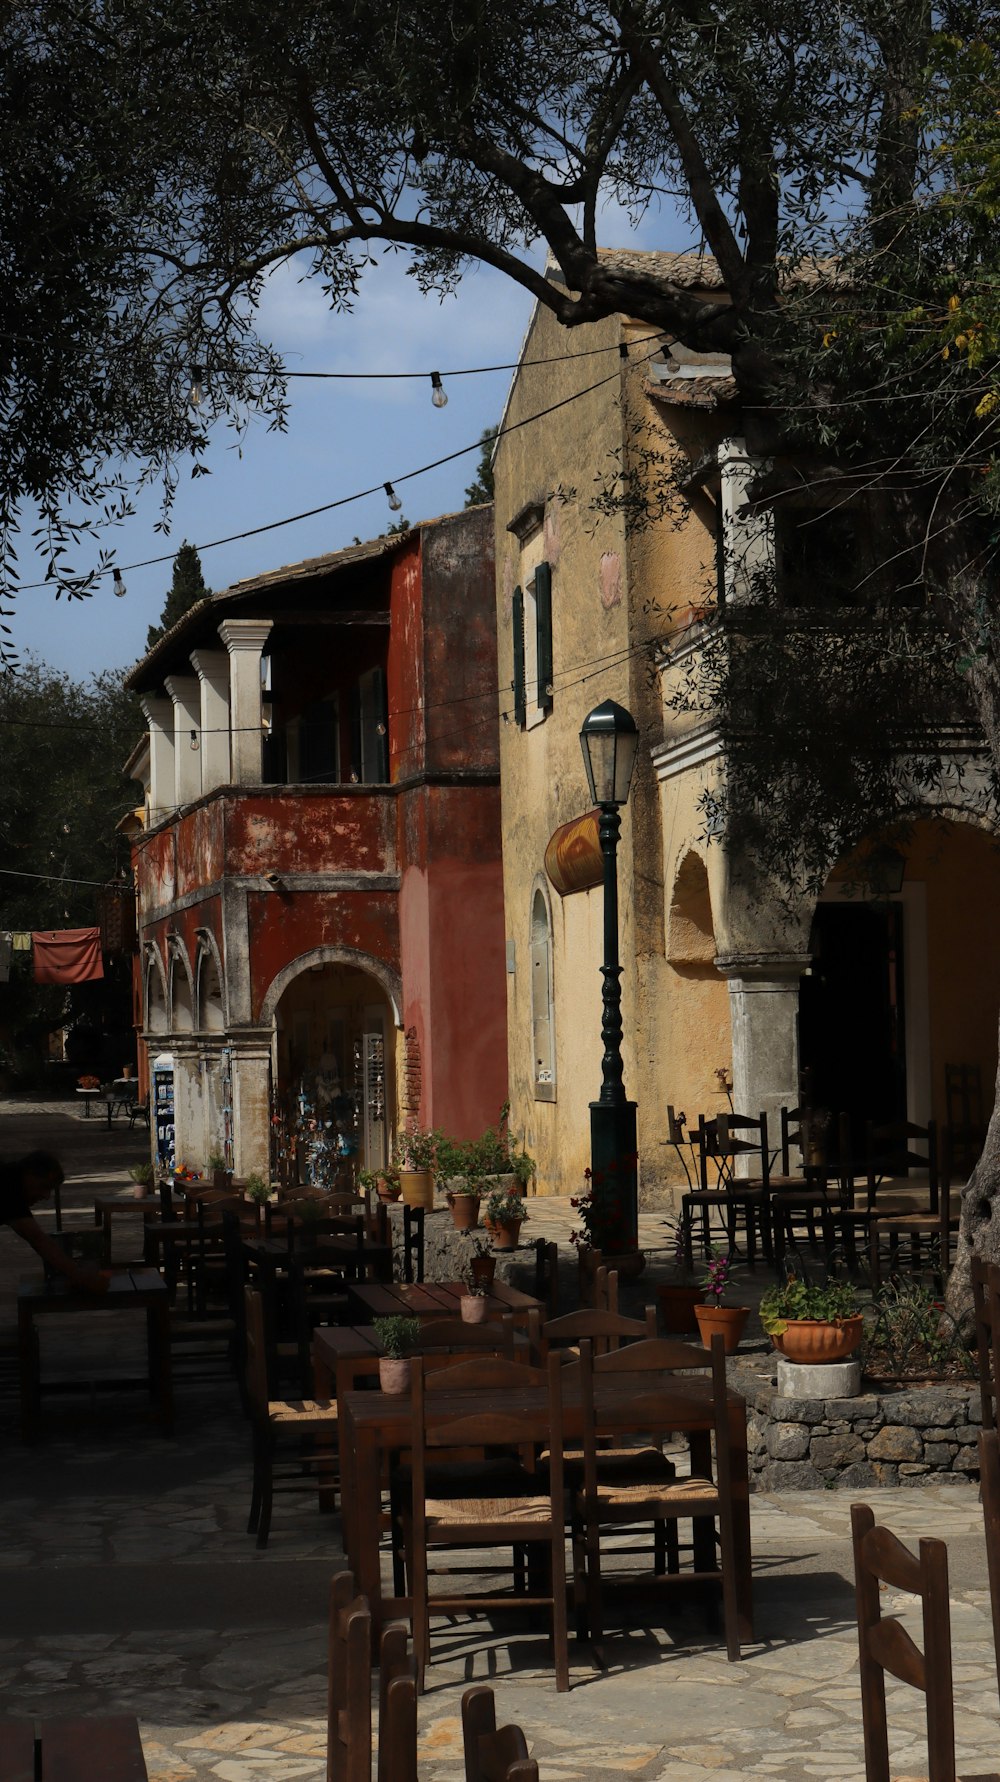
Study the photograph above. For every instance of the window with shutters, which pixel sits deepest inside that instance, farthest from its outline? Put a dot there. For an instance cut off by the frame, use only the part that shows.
(536, 634)
(542, 999)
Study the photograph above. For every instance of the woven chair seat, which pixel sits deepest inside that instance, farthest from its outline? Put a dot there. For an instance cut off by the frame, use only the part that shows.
(615, 1493)
(488, 1514)
(302, 1410)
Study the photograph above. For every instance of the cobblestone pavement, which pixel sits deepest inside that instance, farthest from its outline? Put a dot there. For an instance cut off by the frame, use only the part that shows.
(128, 1583)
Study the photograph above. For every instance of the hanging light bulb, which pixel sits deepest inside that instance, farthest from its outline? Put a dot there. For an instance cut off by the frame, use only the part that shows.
(195, 745)
(394, 501)
(438, 393)
(380, 729)
(196, 394)
(120, 588)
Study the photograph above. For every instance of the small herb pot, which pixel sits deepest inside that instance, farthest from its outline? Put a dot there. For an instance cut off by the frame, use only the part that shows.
(394, 1373)
(473, 1307)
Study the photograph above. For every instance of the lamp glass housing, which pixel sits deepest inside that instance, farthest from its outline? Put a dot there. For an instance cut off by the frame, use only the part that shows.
(609, 739)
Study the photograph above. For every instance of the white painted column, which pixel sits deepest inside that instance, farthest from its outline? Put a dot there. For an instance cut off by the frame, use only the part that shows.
(162, 791)
(183, 690)
(245, 640)
(212, 669)
(764, 1009)
(748, 541)
(251, 1065)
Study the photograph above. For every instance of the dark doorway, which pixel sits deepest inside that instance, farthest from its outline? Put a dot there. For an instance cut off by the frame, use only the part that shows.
(851, 1019)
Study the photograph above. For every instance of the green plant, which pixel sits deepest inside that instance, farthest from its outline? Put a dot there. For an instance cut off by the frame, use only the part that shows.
(912, 1337)
(794, 1299)
(397, 1335)
(475, 1284)
(143, 1173)
(523, 1166)
(416, 1148)
(677, 1252)
(368, 1180)
(504, 1207)
(467, 1185)
(216, 1160)
(256, 1189)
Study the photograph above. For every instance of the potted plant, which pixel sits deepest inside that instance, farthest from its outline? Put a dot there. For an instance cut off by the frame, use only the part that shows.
(416, 1154)
(219, 1170)
(382, 1182)
(680, 1293)
(142, 1176)
(464, 1200)
(715, 1319)
(523, 1169)
(482, 1263)
(398, 1338)
(602, 1236)
(473, 1303)
(812, 1324)
(256, 1189)
(504, 1217)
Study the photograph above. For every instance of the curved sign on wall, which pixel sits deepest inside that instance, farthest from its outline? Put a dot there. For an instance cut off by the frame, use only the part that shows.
(573, 857)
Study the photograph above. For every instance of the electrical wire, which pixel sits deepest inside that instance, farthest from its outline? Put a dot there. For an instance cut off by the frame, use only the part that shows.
(52, 878)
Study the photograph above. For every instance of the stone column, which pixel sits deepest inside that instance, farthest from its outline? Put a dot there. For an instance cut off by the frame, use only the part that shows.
(183, 690)
(245, 640)
(190, 1145)
(210, 1056)
(748, 540)
(212, 669)
(764, 1009)
(251, 1066)
(162, 791)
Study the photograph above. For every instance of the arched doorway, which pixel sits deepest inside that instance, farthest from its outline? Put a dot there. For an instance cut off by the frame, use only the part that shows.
(334, 1071)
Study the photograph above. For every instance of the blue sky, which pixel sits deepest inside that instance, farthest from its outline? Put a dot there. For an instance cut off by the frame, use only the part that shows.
(341, 437)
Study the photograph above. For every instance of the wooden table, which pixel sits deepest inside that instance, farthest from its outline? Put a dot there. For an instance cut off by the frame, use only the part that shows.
(72, 1750)
(374, 1424)
(436, 1299)
(129, 1291)
(108, 1206)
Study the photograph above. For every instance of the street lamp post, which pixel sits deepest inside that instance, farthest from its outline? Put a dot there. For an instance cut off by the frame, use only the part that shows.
(610, 739)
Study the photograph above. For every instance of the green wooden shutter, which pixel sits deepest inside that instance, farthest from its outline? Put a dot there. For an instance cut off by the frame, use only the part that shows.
(543, 634)
(517, 614)
(380, 702)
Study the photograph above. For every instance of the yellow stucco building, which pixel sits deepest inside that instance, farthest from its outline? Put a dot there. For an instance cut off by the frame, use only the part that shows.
(873, 999)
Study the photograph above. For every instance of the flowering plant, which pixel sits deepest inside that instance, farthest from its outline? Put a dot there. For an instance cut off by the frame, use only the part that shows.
(505, 1207)
(183, 1174)
(716, 1276)
(88, 1082)
(603, 1224)
(677, 1250)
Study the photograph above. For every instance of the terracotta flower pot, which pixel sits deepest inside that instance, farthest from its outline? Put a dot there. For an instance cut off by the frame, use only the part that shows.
(483, 1269)
(678, 1304)
(504, 1237)
(725, 1321)
(464, 1210)
(473, 1307)
(389, 1191)
(394, 1373)
(417, 1188)
(812, 1340)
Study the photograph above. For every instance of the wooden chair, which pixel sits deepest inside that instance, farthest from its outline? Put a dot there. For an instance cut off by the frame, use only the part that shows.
(492, 1755)
(397, 1708)
(603, 1502)
(890, 1151)
(348, 1684)
(879, 1558)
(963, 1091)
(799, 1198)
(453, 1335)
(721, 1146)
(475, 1523)
(604, 1329)
(547, 1275)
(413, 1243)
(273, 1418)
(989, 1490)
(935, 1227)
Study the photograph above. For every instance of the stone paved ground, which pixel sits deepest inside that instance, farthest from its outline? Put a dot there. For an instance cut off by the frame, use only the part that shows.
(128, 1583)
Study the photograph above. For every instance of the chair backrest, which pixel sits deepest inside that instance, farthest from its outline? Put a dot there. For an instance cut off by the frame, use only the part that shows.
(983, 1317)
(885, 1645)
(728, 1137)
(397, 1708)
(256, 1353)
(348, 1684)
(639, 1368)
(605, 1330)
(605, 1289)
(963, 1090)
(898, 1147)
(989, 1491)
(547, 1275)
(413, 1243)
(453, 1333)
(487, 1371)
(236, 1268)
(494, 1423)
(492, 1754)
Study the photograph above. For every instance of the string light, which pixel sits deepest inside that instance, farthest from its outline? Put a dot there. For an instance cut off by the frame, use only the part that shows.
(394, 501)
(120, 588)
(195, 745)
(196, 394)
(438, 394)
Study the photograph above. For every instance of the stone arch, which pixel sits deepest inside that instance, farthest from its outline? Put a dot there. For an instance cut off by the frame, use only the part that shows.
(543, 1004)
(210, 993)
(181, 988)
(691, 943)
(352, 956)
(155, 1003)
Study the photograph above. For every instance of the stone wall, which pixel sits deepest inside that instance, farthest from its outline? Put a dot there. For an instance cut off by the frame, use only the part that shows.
(893, 1437)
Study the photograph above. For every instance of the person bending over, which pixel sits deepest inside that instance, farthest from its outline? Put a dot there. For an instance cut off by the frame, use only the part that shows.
(23, 1185)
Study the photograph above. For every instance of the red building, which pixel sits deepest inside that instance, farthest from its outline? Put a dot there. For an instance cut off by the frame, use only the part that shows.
(319, 883)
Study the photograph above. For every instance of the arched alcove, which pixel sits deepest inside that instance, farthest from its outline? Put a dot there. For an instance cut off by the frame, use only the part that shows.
(181, 996)
(211, 1002)
(543, 1027)
(155, 995)
(690, 927)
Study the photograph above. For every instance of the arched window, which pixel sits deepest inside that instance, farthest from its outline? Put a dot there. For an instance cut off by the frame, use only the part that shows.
(543, 1028)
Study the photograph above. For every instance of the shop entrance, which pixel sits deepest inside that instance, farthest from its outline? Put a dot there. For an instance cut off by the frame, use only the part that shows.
(852, 1045)
(334, 1067)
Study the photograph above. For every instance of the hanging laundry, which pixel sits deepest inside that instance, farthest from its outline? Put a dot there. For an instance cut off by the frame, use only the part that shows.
(67, 955)
(21, 943)
(6, 944)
